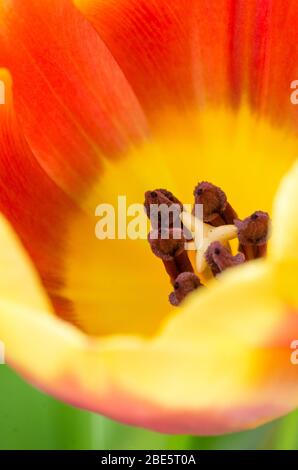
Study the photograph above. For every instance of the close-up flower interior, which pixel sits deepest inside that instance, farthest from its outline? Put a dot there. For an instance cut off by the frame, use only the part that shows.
(109, 98)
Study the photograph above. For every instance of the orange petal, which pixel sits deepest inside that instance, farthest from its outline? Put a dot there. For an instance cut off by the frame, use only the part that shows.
(176, 53)
(173, 53)
(72, 99)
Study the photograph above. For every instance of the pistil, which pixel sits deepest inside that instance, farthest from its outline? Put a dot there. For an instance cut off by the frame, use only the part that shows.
(224, 233)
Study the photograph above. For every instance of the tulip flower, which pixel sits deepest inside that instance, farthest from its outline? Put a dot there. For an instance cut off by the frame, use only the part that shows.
(106, 98)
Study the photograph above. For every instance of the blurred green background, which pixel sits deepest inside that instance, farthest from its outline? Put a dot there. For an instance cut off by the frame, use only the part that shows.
(31, 420)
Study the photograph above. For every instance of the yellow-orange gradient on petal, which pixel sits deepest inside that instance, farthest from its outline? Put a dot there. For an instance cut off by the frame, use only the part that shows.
(115, 98)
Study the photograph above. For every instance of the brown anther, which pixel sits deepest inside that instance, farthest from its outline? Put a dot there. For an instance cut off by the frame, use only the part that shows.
(216, 209)
(184, 284)
(156, 206)
(168, 245)
(253, 234)
(219, 258)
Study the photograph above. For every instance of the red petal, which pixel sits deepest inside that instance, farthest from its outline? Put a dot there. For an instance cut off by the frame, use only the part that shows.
(274, 58)
(36, 207)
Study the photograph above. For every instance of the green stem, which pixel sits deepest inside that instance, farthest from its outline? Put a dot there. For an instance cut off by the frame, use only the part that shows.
(286, 436)
(31, 420)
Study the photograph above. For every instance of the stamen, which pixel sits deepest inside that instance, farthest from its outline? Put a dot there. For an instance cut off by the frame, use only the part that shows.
(169, 246)
(216, 209)
(220, 258)
(173, 227)
(183, 285)
(224, 233)
(253, 234)
(160, 197)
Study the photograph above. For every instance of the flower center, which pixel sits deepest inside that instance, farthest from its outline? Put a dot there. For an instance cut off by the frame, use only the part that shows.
(174, 228)
(233, 148)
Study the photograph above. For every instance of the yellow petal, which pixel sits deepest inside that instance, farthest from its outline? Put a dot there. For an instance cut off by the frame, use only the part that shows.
(220, 365)
(285, 217)
(284, 243)
(18, 281)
